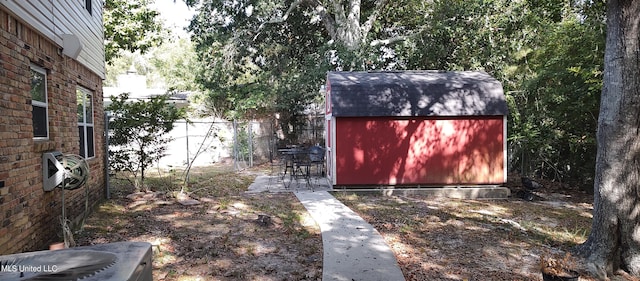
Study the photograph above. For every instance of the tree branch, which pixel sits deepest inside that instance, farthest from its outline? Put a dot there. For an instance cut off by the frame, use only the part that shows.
(389, 41)
(354, 11)
(329, 22)
(373, 17)
(395, 39)
(282, 19)
(339, 11)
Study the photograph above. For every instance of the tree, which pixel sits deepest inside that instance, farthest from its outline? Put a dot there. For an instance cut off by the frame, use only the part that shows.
(346, 22)
(130, 25)
(282, 48)
(555, 117)
(168, 66)
(614, 241)
(266, 56)
(137, 133)
(174, 62)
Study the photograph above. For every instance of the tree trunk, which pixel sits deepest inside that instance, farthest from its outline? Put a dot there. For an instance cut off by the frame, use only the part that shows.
(614, 241)
(344, 22)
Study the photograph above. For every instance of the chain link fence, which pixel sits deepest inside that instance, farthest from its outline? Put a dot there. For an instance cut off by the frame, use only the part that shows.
(241, 144)
(205, 142)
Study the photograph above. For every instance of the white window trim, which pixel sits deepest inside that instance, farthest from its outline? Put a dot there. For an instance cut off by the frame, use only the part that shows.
(44, 104)
(86, 92)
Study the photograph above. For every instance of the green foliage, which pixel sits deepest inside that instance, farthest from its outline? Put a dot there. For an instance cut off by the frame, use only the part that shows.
(252, 69)
(549, 57)
(130, 25)
(547, 54)
(137, 133)
(242, 142)
(168, 66)
(174, 62)
(554, 118)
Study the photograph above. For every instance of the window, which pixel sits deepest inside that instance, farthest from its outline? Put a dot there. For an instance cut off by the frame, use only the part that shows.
(85, 121)
(87, 5)
(39, 114)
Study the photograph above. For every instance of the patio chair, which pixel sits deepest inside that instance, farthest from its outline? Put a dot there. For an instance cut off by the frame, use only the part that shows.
(289, 160)
(316, 155)
(302, 168)
(279, 167)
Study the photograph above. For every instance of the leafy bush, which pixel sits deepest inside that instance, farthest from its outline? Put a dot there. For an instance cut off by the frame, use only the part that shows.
(137, 133)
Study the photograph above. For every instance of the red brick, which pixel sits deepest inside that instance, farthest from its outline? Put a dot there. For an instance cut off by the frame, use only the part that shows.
(24, 201)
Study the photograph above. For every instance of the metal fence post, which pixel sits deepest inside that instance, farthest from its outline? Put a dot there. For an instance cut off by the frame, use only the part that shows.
(235, 145)
(250, 128)
(186, 127)
(107, 185)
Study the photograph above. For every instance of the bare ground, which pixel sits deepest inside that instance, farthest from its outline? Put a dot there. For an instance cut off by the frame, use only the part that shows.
(446, 239)
(225, 237)
(228, 236)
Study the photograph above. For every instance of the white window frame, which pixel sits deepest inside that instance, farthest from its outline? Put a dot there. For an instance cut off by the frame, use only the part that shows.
(44, 104)
(87, 95)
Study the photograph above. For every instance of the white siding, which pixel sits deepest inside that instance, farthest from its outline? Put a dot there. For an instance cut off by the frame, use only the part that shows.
(53, 18)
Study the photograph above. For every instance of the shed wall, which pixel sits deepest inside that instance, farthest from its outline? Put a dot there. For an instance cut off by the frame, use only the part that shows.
(421, 150)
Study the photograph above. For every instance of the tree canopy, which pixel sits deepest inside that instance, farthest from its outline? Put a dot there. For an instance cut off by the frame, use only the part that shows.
(169, 66)
(259, 57)
(130, 25)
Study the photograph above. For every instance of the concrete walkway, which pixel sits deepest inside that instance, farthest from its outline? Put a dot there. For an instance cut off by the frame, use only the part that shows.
(353, 249)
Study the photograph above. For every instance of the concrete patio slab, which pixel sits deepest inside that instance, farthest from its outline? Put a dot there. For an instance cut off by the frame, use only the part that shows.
(463, 192)
(269, 183)
(266, 183)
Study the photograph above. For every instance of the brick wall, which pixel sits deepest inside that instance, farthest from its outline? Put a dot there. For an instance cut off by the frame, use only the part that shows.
(29, 216)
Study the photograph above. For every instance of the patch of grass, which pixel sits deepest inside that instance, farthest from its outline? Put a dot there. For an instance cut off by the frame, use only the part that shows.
(224, 202)
(406, 228)
(289, 219)
(112, 217)
(346, 196)
(165, 182)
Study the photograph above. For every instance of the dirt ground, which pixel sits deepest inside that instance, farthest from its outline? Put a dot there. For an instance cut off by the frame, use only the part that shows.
(227, 236)
(447, 239)
(230, 235)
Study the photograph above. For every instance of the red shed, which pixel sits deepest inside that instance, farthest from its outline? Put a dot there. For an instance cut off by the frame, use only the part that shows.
(429, 128)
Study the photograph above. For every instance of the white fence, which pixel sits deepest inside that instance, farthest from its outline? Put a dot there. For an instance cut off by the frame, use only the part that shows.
(201, 142)
(205, 142)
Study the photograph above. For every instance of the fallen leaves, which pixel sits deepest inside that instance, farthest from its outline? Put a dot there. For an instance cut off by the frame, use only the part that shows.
(216, 239)
(234, 236)
(450, 239)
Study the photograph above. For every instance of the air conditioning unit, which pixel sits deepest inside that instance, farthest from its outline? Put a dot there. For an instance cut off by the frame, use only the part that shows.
(121, 261)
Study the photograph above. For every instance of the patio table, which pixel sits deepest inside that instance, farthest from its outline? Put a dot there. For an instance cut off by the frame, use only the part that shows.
(297, 163)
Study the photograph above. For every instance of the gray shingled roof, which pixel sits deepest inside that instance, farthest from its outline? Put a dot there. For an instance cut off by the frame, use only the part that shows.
(416, 93)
